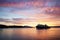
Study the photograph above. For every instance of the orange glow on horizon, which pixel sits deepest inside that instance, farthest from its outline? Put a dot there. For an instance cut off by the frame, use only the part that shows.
(33, 24)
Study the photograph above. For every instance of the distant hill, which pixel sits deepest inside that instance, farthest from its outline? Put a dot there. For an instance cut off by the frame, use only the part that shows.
(14, 26)
(55, 26)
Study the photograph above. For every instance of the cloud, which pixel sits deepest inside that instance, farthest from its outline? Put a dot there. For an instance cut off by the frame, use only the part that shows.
(27, 4)
(5, 20)
(30, 11)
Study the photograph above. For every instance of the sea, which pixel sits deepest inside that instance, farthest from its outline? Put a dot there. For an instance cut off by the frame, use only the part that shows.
(29, 34)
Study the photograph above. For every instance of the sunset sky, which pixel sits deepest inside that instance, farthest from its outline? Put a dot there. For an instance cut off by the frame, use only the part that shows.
(30, 12)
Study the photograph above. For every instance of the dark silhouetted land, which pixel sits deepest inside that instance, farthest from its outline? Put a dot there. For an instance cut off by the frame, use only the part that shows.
(14, 26)
(40, 26)
(55, 26)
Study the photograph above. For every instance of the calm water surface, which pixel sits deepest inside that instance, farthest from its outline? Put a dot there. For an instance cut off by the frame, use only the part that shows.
(30, 34)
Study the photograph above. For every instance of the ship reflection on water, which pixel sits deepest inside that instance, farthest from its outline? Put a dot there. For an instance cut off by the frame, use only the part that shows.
(29, 34)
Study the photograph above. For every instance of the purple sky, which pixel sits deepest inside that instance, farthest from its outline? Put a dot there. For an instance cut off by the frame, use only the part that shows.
(30, 12)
